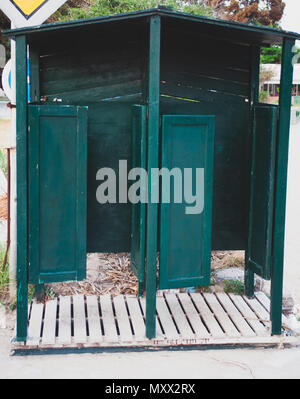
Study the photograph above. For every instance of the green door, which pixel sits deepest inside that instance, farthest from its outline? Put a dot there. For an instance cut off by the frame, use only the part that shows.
(185, 226)
(262, 189)
(138, 215)
(57, 174)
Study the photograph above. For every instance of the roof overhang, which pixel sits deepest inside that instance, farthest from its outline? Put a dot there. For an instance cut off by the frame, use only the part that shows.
(252, 33)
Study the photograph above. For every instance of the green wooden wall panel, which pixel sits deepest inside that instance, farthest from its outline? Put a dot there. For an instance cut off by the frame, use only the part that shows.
(262, 190)
(185, 239)
(108, 76)
(138, 210)
(118, 67)
(57, 193)
(230, 201)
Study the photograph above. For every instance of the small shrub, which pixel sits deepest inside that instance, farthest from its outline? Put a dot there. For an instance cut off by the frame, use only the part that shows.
(234, 287)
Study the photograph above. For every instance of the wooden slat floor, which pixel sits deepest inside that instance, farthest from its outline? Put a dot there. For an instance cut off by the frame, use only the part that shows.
(182, 319)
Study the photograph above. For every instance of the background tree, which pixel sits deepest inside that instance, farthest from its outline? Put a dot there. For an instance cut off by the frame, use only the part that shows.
(263, 12)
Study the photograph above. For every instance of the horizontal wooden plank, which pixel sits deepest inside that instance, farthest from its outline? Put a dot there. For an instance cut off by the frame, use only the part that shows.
(90, 95)
(193, 316)
(249, 315)
(208, 317)
(194, 319)
(204, 82)
(222, 316)
(235, 315)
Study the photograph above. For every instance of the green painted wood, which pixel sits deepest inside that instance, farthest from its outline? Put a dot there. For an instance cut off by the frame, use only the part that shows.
(185, 239)
(153, 187)
(57, 168)
(262, 190)
(138, 210)
(230, 198)
(34, 73)
(244, 31)
(22, 233)
(281, 184)
(109, 77)
(254, 98)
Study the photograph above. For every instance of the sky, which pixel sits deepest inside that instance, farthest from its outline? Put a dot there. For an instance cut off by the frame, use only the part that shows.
(291, 18)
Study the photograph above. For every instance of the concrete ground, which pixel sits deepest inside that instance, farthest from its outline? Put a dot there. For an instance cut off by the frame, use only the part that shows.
(209, 364)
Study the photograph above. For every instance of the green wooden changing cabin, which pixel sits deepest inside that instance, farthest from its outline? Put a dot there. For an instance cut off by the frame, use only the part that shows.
(157, 88)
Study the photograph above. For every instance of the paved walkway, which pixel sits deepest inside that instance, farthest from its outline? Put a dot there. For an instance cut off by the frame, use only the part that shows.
(224, 364)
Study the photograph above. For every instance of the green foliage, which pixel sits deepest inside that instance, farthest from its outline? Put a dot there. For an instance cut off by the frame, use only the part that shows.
(3, 161)
(4, 275)
(234, 287)
(272, 55)
(263, 96)
(97, 8)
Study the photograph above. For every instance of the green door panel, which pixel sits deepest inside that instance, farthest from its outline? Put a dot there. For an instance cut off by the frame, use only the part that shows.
(138, 215)
(262, 189)
(57, 174)
(185, 239)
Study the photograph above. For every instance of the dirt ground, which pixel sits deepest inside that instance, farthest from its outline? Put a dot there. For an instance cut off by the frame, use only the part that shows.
(109, 273)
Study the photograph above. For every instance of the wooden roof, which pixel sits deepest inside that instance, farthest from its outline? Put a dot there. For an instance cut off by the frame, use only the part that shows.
(246, 32)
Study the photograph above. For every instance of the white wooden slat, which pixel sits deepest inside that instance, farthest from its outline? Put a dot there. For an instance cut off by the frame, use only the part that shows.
(206, 314)
(249, 315)
(64, 321)
(50, 323)
(137, 319)
(222, 316)
(35, 325)
(159, 333)
(28, 315)
(110, 329)
(265, 301)
(80, 333)
(235, 315)
(259, 310)
(166, 319)
(95, 333)
(122, 319)
(193, 316)
(181, 321)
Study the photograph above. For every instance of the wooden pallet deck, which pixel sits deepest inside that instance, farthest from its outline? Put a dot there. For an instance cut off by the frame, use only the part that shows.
(182, 319)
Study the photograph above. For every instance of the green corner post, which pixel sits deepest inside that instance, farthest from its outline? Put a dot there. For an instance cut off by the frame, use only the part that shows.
(153, 187)
(254, 98)
(21, 123)
(281, 185)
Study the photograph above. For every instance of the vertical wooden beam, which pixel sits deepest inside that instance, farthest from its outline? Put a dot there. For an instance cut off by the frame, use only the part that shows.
(34, 75)
(254, 98)
(22, 258)
(153, 187)
(281, 184)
